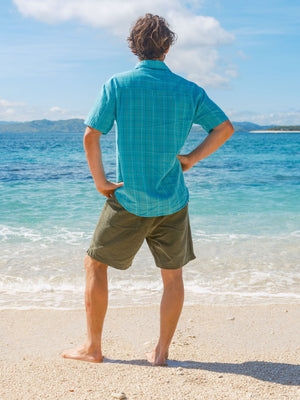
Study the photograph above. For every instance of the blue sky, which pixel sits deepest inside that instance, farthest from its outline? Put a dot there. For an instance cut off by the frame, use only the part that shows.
(55, 55)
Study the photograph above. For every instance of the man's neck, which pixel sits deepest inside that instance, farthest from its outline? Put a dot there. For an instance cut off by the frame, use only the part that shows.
(155, 59)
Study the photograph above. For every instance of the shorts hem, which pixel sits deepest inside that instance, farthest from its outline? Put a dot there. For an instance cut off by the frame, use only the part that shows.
(92, 254)
(181, 265)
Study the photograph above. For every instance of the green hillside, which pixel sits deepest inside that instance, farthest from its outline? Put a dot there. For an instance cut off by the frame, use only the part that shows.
(44, 125)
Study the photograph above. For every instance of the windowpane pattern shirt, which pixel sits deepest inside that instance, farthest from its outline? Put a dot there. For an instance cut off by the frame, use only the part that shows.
(154, 110)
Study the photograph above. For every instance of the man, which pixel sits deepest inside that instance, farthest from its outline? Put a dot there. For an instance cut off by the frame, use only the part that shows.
(154, 111)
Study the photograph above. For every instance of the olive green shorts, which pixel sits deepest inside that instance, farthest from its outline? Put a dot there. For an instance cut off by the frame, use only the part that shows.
(119, 234)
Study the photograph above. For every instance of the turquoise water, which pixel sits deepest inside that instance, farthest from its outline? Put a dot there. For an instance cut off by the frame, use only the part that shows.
(244, 208)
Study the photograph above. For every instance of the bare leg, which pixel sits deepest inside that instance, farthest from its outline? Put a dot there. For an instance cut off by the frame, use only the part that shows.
(170, 310)
(96, 299)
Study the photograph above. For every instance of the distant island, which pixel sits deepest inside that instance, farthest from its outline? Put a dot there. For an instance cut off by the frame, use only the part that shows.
(288, 128)
(44, 126)
(76, 125)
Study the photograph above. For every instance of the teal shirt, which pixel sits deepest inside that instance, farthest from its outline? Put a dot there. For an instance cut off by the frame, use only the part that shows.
(154, 110)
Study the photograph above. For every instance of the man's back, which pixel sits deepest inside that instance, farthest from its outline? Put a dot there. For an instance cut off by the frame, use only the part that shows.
(154, 110)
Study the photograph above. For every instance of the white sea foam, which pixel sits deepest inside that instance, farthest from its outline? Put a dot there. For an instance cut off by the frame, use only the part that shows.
(11, 233)
(37, 271)
(57, 234)
(46, 236)
(134, 288)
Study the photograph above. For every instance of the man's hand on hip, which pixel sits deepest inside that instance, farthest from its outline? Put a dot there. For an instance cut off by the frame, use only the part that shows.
(108, 188)
(185, 162)
(217, 136)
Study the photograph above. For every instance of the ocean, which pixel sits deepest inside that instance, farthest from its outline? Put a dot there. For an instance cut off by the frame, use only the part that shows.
(244, 209)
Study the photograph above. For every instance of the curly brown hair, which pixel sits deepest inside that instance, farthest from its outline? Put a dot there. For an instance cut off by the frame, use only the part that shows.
(150, 37)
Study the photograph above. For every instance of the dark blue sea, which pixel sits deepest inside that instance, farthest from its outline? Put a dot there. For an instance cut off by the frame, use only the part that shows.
(244, 208)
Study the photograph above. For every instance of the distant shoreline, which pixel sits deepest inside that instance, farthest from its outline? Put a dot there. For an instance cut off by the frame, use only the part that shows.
(270, 131)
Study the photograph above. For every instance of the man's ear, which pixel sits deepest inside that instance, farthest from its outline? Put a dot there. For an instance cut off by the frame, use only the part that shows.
(130, 45)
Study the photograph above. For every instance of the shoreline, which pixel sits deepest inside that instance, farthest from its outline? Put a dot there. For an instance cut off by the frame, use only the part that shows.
(218, 352)
(264, 131)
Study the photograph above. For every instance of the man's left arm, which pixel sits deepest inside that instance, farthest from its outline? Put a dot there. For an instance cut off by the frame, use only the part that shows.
(91, 142)
(217, 136)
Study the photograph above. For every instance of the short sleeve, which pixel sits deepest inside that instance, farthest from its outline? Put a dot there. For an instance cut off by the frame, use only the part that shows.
(207, 113)
(103, 113)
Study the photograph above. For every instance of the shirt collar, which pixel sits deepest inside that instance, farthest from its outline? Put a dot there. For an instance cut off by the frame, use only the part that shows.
(152, 64)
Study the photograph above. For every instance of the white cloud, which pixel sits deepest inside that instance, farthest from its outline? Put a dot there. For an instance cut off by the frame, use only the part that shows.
(57, 110)
(19, 111)
(242, 55)
(231, 72)
(198, 31)
(282, 118)
(112, 14)
(6, 103)
(8, 109)
(196, 52)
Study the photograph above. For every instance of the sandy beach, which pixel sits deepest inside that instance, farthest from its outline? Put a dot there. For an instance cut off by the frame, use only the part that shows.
(218, 352)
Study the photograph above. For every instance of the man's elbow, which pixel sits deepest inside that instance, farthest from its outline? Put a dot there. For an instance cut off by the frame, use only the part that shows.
(229, 129)
(90, 135)
(224, 130)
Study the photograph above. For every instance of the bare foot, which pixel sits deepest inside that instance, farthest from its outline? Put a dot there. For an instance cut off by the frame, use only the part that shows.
(84, 354)
(155, 358)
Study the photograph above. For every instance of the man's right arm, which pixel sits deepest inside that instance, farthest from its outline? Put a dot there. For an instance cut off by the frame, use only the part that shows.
(215, 139)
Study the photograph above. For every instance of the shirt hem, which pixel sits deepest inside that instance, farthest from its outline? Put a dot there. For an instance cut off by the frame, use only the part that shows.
(159, 214)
